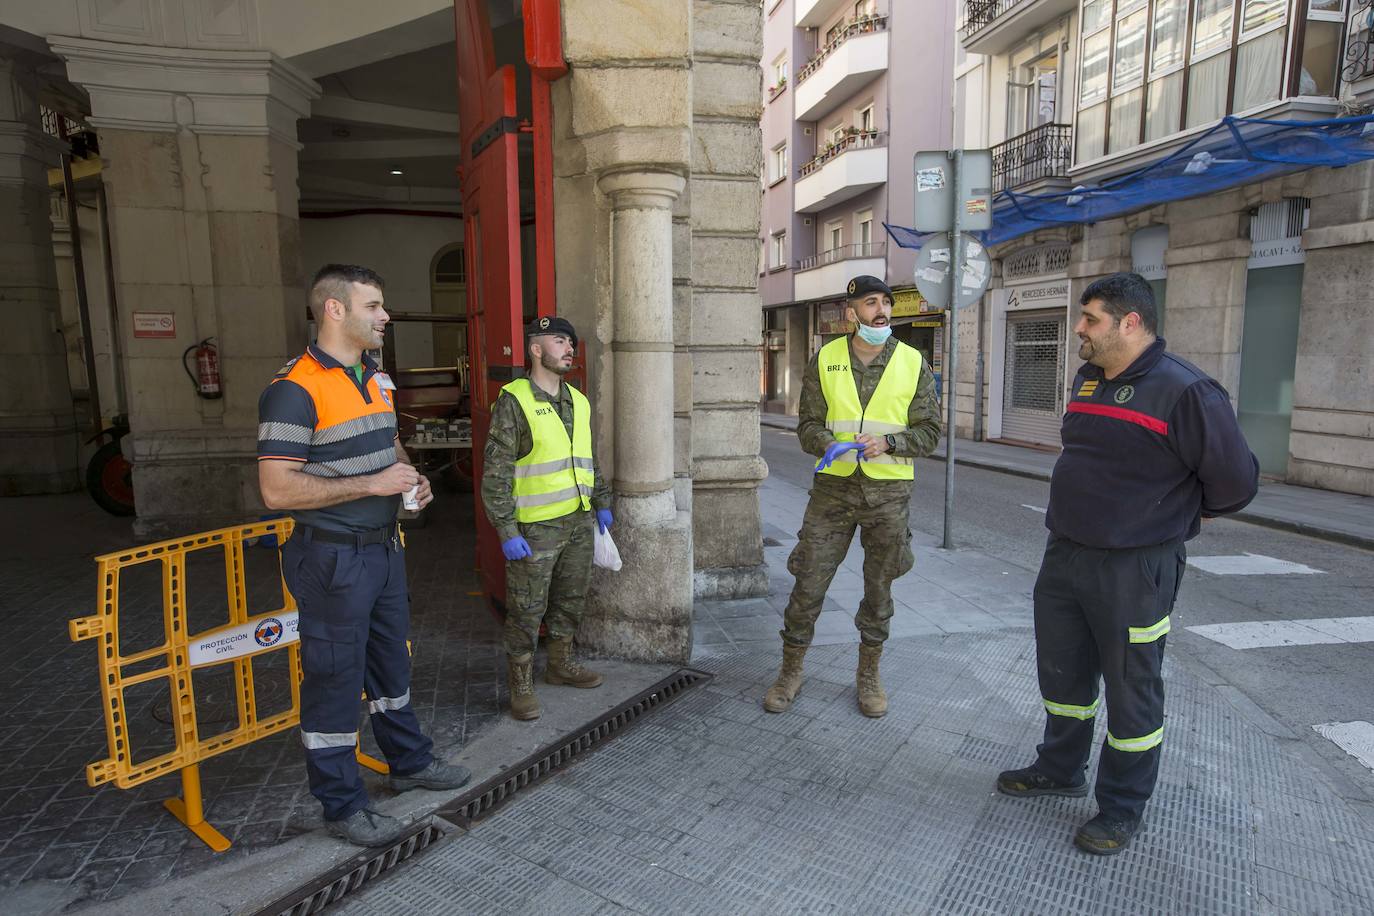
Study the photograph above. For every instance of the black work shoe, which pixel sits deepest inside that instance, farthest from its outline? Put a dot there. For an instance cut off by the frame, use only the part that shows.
(437, 776)
(1105, 836)
(1030, 782)
(366, 827)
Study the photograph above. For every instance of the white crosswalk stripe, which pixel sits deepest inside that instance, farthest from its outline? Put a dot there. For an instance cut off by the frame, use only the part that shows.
(1251, 564)
(1264, 634)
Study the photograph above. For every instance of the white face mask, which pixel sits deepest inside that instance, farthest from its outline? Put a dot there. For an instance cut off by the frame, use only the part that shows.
(874, 336)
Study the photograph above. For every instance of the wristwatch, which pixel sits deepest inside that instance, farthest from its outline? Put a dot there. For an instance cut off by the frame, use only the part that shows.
(891, 442)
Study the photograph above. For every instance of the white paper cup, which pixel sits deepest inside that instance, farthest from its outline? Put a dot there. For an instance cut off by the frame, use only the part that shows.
(411, 499)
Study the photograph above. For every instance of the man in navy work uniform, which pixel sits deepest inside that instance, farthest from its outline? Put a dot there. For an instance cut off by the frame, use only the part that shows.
(1151, 446)
(328, 453)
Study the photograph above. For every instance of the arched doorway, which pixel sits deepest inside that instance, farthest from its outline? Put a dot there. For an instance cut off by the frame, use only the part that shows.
(448, 295)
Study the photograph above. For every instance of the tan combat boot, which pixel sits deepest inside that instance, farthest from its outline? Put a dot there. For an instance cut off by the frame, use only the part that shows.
(523, 703)
(788, 684)
(564, 669)
(872, 698)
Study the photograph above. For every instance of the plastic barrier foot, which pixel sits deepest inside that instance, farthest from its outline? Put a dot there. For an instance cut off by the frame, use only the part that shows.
(191, 812)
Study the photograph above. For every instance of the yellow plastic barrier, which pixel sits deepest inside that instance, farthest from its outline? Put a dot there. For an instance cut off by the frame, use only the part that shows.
(237, 643)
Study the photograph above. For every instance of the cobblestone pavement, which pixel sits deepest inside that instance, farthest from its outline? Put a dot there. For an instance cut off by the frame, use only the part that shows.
(103, 843)
(714, 806)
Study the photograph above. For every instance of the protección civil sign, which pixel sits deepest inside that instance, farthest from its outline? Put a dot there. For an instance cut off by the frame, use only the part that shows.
(261, 634)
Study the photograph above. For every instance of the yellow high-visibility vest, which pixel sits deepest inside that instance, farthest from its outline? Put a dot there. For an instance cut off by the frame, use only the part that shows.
(886, 412)
(557, 476)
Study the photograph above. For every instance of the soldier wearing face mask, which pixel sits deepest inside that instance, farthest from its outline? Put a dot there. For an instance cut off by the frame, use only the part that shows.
(868, 411)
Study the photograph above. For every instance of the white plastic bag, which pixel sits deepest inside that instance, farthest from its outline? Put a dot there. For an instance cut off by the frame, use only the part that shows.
(604, 552)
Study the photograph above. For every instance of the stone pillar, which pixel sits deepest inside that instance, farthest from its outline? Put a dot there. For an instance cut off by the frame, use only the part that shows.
(198, 153)
(720, 274)
(645, 610)
(38, 439)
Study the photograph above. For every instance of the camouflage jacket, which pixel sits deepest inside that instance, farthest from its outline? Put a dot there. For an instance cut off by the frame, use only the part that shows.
(919, 439)
(508, 439)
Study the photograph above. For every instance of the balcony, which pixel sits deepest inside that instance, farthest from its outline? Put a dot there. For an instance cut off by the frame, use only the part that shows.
(1043, 152)
(852, 60)
(812, 14)
(993, 26)
(857, 163)
(825, 275)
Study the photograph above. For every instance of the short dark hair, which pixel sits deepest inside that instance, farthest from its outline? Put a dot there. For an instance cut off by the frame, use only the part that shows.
(331, 282)
(1123, 293)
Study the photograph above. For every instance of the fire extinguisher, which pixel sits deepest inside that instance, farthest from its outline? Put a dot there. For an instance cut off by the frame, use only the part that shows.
(206, 377)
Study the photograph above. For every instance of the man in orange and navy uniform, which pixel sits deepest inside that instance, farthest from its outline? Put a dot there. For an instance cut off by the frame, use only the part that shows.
(1151, 447)
(328, 453)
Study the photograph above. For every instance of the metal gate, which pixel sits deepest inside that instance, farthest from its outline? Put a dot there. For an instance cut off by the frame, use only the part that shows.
(1033, 384)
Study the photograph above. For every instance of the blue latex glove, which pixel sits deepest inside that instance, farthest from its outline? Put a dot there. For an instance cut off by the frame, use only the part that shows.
(517, 548)
(835, 450)
(604, 520)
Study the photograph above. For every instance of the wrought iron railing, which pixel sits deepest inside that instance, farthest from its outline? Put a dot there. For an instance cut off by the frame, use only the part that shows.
(1359, 49)
(860, 139)
(982, 13)
(844, 253)
(863, 26)
(1041, 152)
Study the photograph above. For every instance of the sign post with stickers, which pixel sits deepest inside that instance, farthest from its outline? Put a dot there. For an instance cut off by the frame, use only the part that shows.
(953, 198)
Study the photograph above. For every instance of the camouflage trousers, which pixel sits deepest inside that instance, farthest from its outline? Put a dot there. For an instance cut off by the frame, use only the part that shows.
(551, 585)
(826, 532)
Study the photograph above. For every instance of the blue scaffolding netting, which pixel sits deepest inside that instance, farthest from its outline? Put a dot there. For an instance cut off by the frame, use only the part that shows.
(1235, 151)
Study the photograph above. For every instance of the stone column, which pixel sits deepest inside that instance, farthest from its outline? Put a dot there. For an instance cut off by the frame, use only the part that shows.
(645, 610)
(720, 279)
(38, 440)
(198, 153)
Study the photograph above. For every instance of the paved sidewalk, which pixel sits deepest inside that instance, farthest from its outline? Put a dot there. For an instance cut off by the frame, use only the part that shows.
(1324, 514)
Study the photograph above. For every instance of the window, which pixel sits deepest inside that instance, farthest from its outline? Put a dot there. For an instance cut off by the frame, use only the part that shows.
(451, 269)
(1129, 60)
(1261, 14)
(779, 74)
(1164, 106)
(1096, 14)
(777, 164)
(1321, 44)
(1211, 27)
(1125, 129)
(779, 259)
(835, 134)
(865, 8)
(1092, 127)
(1031, 93)
(1095, 56)
(1207, 89)
(865, 119)
(834, 235)
(1259, 70)
(1167, 37)
(865, 221)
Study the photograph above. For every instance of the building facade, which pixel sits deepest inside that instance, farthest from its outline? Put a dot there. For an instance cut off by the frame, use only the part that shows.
(222, 149)
(852, 90)
(1260, 283)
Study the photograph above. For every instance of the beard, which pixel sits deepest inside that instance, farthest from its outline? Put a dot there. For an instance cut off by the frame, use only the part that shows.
(554, 365)
(1102, 349)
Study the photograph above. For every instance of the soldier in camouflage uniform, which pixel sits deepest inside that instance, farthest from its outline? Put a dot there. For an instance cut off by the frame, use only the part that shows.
(545, 530)
(873, 496)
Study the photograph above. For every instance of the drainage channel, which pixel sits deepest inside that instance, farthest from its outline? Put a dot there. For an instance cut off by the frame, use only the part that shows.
(482, 800)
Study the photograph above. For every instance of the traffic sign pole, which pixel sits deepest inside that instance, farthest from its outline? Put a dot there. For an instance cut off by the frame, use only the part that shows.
(956, 282)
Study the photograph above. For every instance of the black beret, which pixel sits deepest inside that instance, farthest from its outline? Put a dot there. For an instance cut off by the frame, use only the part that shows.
(863, 284)
(551, 324)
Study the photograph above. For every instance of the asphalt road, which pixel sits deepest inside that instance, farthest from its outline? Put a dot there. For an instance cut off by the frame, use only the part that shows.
(1294, 687)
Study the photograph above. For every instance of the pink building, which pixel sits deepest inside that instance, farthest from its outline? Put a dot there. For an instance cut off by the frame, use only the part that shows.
(852, 89)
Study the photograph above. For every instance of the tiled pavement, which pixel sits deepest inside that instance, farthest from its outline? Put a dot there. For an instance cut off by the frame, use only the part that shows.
(715, 806)
(103, 843)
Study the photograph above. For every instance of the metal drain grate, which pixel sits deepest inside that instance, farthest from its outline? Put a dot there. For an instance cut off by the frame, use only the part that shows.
(482, 800)
(351, 875)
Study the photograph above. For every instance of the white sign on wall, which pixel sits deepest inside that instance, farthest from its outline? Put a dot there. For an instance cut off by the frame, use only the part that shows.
(1276, 253)
(1048, 295)
(1147, 252)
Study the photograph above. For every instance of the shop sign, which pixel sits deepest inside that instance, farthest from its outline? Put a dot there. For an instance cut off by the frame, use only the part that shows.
(1047, 295)
(1276, 253)
(830, 318)
(906, 302)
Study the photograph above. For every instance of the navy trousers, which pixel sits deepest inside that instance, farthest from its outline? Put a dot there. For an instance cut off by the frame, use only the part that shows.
(354, 617)
(1103, 614)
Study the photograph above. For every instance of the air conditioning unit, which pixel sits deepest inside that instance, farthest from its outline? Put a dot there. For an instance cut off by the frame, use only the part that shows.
(806, 220)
